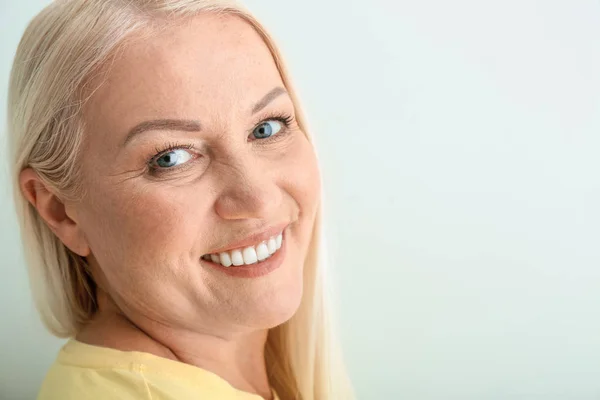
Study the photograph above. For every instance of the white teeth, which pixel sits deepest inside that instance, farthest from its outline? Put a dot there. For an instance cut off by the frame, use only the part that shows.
(236, 258)
(272, 245)
(262, 252)
(225, 259)
(249, 254)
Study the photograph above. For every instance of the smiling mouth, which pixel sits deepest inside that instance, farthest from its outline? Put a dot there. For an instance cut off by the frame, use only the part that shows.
(248, 255)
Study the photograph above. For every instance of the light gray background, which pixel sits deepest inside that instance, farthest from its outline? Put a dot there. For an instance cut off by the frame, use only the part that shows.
(460, 144)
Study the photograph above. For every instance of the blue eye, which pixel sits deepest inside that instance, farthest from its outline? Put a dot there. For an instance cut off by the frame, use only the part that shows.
(173, 158)
(267, 129)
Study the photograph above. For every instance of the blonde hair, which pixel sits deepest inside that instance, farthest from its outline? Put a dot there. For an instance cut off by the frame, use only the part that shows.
(61, 49)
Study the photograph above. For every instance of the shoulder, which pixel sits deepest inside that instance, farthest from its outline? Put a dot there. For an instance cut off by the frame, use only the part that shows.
(86, 372)
(68, 382)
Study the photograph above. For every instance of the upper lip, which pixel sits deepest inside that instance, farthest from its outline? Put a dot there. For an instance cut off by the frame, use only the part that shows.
(253, 239)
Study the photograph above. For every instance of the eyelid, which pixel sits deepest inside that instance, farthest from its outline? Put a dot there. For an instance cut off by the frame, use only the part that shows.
(168, 148)
(156, 171)
(285, 118)
(281, 115)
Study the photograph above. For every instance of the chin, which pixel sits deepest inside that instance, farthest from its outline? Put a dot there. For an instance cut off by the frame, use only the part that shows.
(284, 312)
(277, 305)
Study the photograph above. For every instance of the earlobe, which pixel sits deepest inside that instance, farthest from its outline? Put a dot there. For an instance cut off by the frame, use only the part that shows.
(53, 211)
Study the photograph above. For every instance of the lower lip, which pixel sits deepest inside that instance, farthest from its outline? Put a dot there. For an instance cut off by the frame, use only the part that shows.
(253, 270)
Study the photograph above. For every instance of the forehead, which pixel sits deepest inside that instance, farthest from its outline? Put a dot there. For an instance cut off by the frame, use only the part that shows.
(207, 66)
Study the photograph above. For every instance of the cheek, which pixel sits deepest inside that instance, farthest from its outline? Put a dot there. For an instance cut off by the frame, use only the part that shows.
(302, 176)
(304, 187)
(141, 228)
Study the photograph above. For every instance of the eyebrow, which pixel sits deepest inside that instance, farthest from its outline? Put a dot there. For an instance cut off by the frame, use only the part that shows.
(163, 124)
(193, 125)
(269, 97)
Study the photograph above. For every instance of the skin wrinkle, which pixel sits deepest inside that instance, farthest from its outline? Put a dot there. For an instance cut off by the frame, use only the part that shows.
(143, 236)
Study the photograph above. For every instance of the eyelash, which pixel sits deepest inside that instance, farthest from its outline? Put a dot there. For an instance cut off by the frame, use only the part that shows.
(284, 118)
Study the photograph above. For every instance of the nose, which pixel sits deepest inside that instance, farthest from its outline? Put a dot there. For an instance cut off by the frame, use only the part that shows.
(249, 191)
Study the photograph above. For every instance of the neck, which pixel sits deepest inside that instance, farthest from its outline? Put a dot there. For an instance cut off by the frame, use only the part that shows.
(238, 359)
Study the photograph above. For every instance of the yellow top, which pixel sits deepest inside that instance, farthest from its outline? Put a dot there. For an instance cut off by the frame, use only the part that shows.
(85, 372)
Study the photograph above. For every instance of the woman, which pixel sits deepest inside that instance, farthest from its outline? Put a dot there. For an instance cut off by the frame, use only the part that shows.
(169, 199)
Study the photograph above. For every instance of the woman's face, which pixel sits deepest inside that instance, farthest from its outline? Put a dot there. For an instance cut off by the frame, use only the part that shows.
(223, 160)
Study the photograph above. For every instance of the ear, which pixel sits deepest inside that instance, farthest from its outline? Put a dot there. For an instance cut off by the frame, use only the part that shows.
(59, 217)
